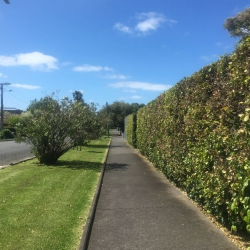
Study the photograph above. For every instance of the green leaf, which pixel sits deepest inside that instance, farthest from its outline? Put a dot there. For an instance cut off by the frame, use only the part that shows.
(246, 118)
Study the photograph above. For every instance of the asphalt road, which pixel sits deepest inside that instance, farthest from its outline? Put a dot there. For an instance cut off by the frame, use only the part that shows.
(11, 152)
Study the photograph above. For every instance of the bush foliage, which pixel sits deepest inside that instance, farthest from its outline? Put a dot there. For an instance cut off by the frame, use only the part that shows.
(6, 134)
(198, 135)
(52, 127)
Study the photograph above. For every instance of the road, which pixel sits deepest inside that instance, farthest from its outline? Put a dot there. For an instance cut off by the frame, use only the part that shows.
(11, 152)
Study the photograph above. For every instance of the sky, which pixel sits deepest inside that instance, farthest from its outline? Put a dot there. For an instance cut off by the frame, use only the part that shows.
(110, 50)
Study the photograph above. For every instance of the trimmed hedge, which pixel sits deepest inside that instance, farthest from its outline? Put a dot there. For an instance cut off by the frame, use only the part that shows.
(198, 134)
(131, 130)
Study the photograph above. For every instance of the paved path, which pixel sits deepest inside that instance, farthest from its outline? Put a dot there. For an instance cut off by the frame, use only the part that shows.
(139, 209)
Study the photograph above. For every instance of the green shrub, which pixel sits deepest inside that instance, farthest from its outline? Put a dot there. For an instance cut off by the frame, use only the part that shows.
(11, 122)
(53, 127)
(6, 134)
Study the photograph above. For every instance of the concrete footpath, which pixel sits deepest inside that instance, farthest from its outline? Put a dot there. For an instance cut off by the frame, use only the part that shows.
(139, 209)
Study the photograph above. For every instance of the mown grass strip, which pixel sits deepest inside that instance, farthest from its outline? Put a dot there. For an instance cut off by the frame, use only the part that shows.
(46, 207)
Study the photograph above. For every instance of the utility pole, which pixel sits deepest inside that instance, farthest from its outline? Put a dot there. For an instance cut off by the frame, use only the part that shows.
(1, 84)
(107, 120)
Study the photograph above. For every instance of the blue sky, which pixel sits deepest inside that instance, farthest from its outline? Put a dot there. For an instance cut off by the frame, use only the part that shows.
(110, 50)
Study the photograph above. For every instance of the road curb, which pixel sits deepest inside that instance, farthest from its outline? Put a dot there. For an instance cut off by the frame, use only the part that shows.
(91, 216)
(17, 162)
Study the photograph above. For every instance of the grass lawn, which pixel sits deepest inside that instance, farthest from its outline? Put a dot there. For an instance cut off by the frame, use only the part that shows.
(46, 207)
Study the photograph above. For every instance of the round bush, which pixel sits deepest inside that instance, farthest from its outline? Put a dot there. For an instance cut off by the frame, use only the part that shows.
(6, 134)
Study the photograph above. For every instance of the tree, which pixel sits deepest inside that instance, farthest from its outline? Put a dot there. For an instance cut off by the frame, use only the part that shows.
(136, 106)
(117, 111)
(52, 127)
(239, 26)
(78, 96)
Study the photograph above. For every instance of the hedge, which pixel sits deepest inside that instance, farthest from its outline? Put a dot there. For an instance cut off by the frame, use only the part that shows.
(130, 129)
(197, 133)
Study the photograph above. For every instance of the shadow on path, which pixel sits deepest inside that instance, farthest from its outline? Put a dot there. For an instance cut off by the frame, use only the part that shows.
(115, 166)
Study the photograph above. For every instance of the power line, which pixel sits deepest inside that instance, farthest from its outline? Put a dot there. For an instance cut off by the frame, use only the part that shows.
(19, 97)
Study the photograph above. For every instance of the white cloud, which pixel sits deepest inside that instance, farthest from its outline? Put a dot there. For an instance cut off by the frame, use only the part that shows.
(146, 22)
(8, 61)
(66, 63)
(140, 85)
(135, 97)
(150, 21)
(35, 60)
(91, 68)
(25, 86)
(122, 98)
(2, 75)
(123, 28)
(117, 77)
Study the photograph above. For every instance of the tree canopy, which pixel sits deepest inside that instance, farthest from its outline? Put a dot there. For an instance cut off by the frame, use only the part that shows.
(78, 97)
(239, 26)
(52, 127)
(115, 113)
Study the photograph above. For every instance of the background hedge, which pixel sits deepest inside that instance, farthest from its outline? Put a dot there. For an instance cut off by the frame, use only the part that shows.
(130, 129)
(197, 133)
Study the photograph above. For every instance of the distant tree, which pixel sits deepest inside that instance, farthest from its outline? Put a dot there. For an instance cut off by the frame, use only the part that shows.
(6, 115)
(116, 112)
(52, 127)
(12, 120)
(136, 106)
(239, 26)
(78, 97)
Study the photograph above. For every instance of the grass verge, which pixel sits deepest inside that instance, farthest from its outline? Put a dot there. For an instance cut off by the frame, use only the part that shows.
(46, 207)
